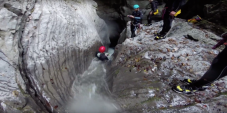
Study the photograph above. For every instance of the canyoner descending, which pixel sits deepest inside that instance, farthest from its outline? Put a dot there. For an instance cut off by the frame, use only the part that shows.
(91, 91)
(102, 55)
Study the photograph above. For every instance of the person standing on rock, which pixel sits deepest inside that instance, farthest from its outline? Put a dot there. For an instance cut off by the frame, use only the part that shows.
(217, 70)
(136, 19)
(153, 11)
(172, 9)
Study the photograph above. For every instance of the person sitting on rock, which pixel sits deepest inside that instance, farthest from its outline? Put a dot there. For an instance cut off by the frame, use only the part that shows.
(101, 55)
(217, 70)
(172, 9)
(136, 19)
(153, 11)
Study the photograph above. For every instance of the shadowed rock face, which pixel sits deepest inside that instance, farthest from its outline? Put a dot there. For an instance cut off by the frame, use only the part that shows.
(115, 12)
(146, 70)
(45, 45)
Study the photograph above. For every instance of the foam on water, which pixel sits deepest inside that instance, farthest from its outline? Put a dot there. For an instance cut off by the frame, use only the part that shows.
(91, 93)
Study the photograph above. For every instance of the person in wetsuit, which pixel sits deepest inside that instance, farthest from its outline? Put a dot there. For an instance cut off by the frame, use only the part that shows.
(217, 70)
(153, 4)
(101, 55)
(169, 13)
(136, 19)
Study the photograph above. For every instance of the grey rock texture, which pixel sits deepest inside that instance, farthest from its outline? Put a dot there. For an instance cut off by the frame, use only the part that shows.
(146, 69)
(115, 12)
(45, 45)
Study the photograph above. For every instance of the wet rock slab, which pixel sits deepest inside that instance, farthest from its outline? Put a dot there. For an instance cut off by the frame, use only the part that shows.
(147, 69)
(44, 46)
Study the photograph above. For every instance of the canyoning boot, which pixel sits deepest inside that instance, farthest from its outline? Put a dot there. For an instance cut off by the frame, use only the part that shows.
(189, 81)
(185, 89)
(159, 37)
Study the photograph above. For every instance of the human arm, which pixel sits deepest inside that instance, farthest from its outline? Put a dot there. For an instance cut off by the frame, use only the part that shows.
(139, 16)
(106, 54)
(136, 17)
(176, 7)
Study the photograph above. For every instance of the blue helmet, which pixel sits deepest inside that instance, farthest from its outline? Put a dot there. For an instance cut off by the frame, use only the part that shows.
(136, 6)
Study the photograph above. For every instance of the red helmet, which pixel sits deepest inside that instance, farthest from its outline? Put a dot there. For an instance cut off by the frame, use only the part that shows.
(102, 49)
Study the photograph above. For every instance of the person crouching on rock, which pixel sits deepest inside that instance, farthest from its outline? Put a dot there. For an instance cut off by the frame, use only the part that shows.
(101, 55)
(153, 11)
(170, 11)
(136, 18)
(217, 70)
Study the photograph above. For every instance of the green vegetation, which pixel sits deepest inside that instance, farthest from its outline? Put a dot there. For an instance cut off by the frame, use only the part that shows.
(117, 72)
(21, 90)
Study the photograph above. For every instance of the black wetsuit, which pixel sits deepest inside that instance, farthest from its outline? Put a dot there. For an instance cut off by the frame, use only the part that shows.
(135, 21)
(153, 9)
(171, 5)
(102, 56)
(217, 70)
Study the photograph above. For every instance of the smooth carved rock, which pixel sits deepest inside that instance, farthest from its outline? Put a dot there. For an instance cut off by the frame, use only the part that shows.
(57, 41)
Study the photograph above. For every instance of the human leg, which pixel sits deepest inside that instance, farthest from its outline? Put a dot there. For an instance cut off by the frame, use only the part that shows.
(133, 29)
(149, 18)
(167, 23)
(217, 70)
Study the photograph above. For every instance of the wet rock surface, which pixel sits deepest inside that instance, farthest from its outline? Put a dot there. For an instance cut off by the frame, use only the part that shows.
(44, 46)
(147, 69)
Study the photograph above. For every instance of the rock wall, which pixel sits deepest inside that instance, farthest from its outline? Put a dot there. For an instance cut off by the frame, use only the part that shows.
(144, 70)
(115, 12)
(44, 46)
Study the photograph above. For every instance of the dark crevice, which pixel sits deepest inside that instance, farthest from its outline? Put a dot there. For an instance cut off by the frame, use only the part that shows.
(115, 24)
(18, 12)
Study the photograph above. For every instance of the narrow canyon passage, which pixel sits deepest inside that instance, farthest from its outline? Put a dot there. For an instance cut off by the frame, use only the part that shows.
(91, 90)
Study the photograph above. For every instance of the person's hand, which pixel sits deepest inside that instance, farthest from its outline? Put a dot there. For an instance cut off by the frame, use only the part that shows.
(172, 13)
(130, 16)
(107, 54)
(151, 13)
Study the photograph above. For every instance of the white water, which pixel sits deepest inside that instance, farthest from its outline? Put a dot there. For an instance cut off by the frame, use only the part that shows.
(91, 91)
